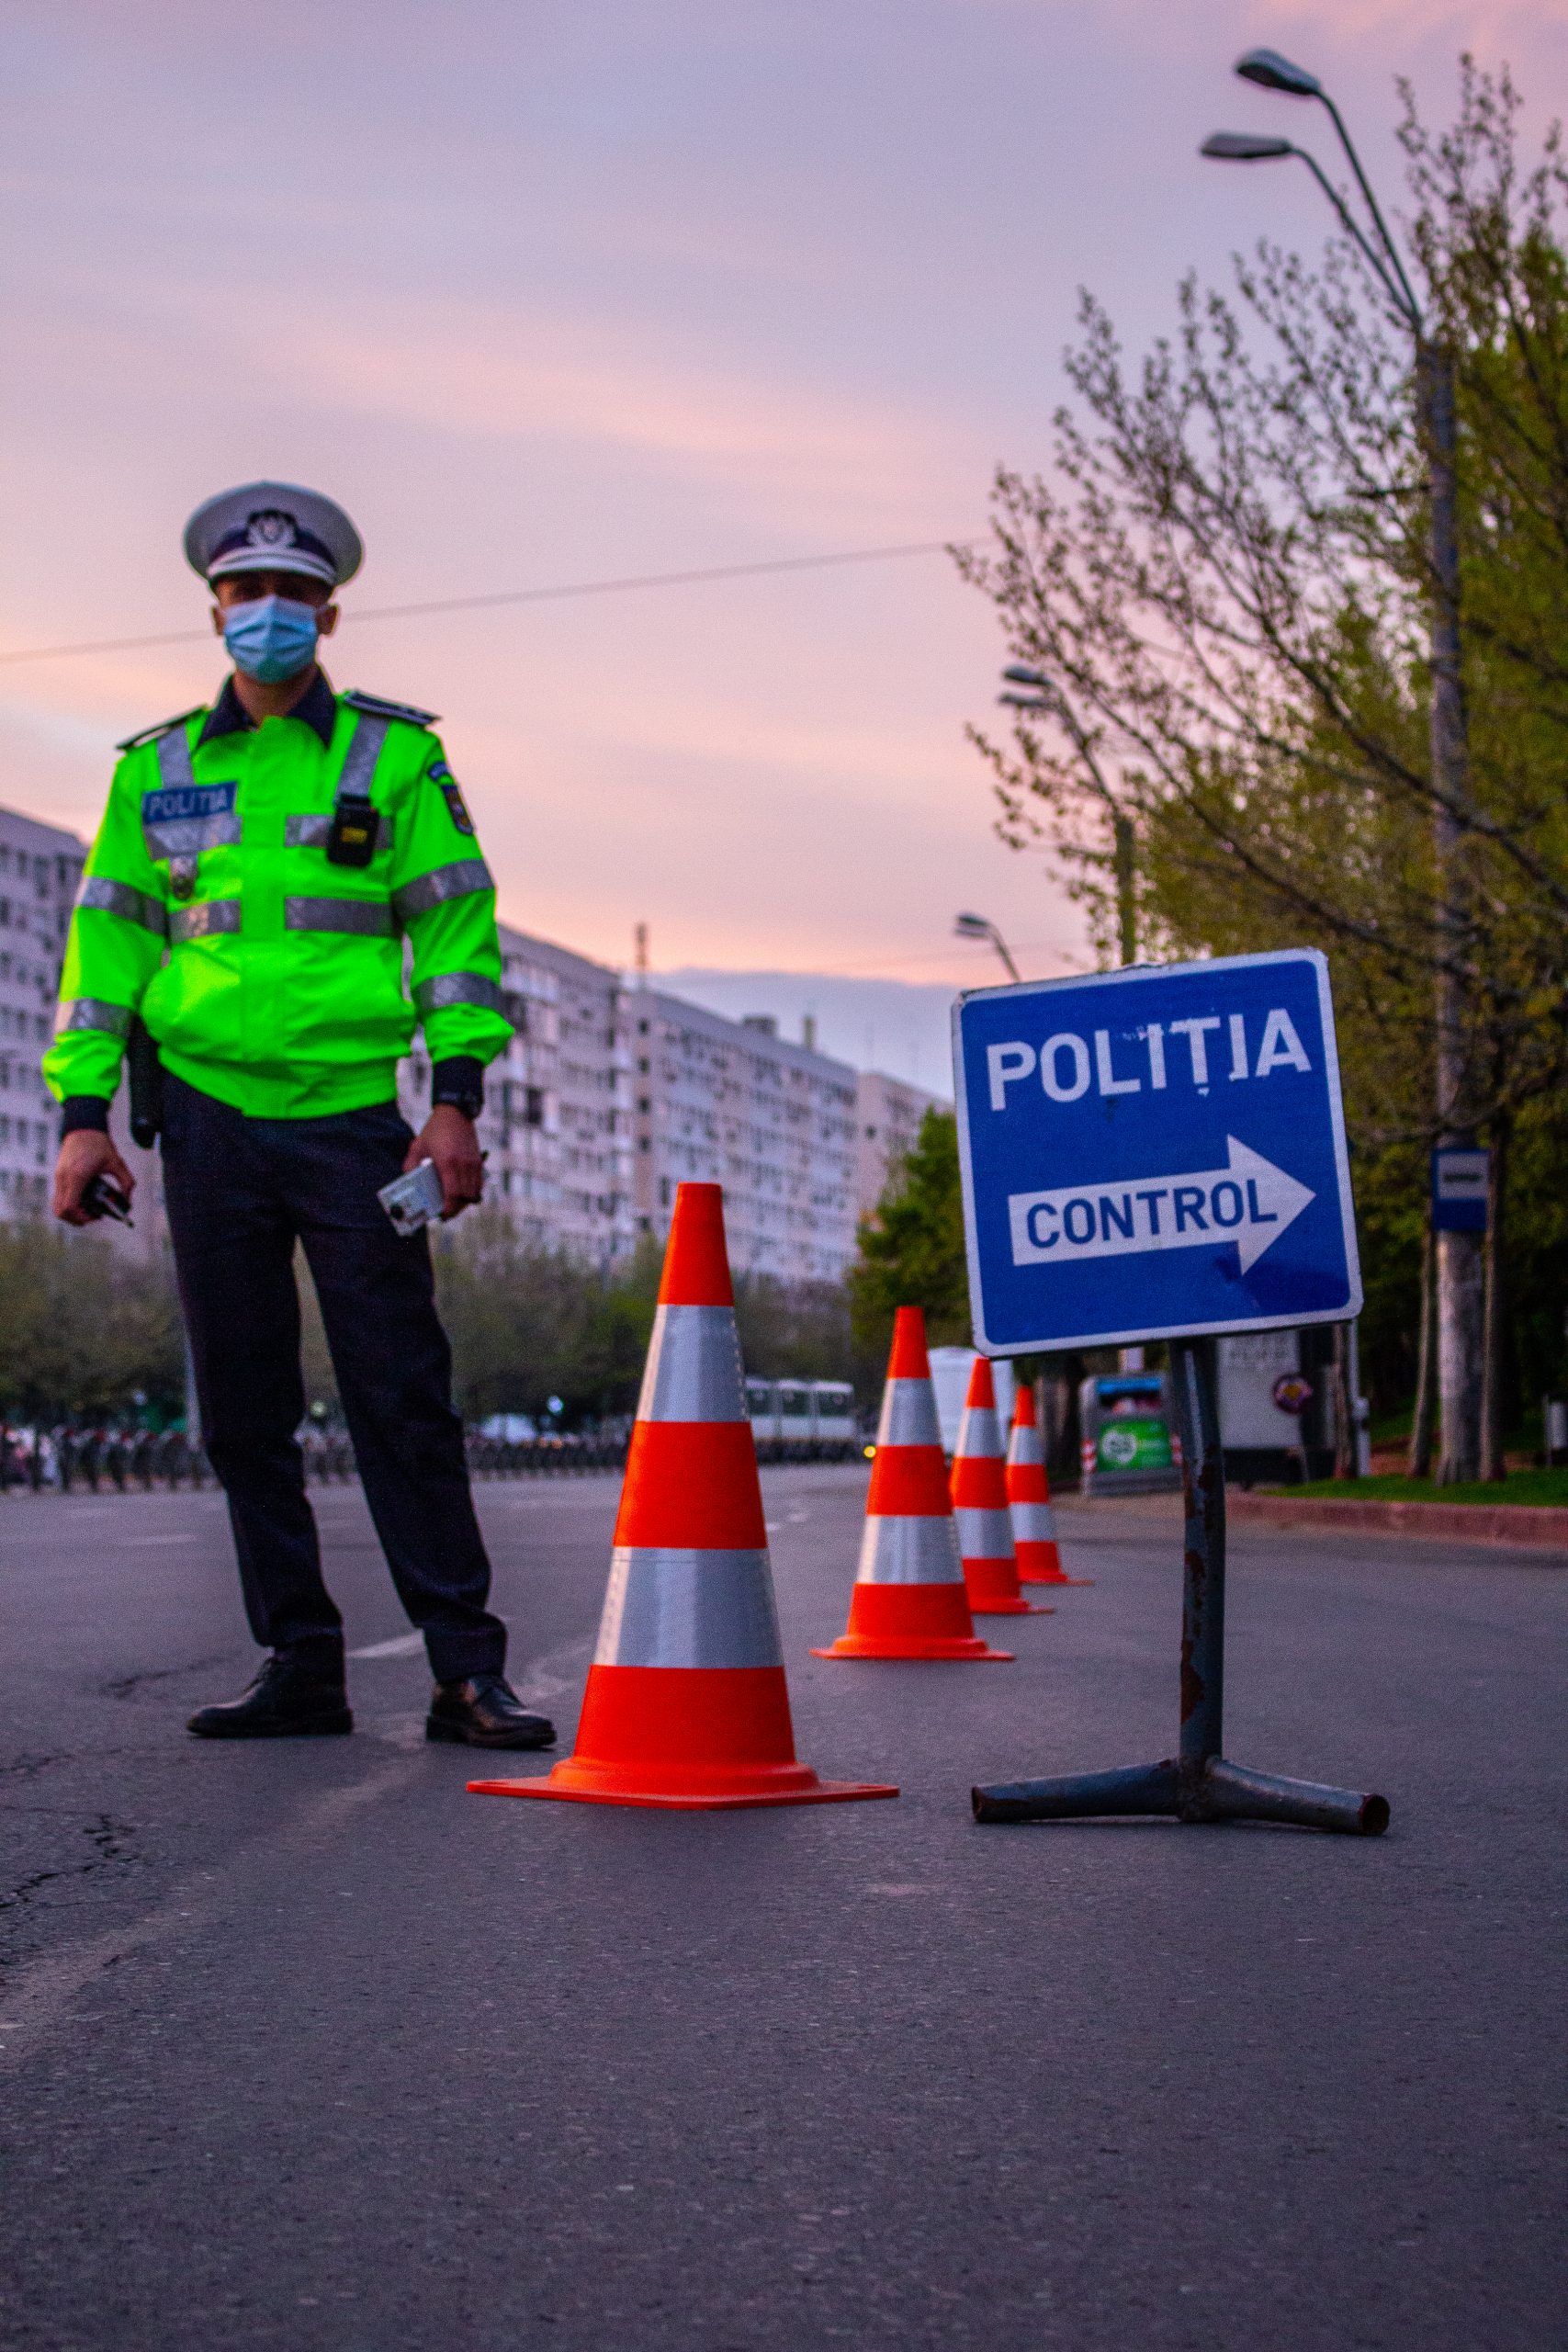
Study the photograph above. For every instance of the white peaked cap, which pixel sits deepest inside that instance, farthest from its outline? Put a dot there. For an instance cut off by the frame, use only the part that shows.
(273, 527)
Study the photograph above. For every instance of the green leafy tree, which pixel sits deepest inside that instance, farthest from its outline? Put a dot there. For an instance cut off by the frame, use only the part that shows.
(1225, 585)
(527, 1324)
(793, 1330)
(85, 1330)
(911, 1251)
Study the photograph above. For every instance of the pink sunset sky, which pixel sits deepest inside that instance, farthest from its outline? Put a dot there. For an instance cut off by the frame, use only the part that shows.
(547, 294)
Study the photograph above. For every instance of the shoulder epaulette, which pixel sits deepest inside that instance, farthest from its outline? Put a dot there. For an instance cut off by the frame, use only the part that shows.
(378, 707)
(162, 727)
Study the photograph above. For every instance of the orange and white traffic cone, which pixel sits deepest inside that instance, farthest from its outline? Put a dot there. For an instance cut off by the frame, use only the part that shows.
(1029, 1499)
(909, 1599)
(686, 1704)
(980, 1506)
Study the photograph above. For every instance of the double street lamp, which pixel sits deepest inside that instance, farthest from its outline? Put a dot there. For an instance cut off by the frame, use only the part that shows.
(1460, 1259)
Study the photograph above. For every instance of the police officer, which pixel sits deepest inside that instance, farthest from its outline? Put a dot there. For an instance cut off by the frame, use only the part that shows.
(265, 870)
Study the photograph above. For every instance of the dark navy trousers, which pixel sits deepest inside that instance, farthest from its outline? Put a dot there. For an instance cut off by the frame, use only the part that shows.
(241, 1192)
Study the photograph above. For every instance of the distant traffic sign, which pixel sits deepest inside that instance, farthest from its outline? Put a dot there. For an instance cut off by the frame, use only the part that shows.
(1461, 1185)
(1155, 1152)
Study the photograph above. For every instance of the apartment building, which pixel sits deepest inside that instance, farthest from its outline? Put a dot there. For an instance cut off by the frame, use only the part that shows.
(888, 1120)
(40, 868)
(733, 1103)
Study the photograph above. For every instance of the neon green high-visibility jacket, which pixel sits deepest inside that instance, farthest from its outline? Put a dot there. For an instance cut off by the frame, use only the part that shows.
(270, 976)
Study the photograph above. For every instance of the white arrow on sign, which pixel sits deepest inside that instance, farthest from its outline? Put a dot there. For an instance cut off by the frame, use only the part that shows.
(1250, 1201)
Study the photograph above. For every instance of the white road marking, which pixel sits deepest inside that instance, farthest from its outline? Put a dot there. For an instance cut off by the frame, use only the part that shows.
(535, 1688)
(133, 1542)
(403, 1646)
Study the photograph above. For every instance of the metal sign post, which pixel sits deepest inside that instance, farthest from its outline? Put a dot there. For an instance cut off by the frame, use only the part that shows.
(1160, 1153)
(1197, 1783)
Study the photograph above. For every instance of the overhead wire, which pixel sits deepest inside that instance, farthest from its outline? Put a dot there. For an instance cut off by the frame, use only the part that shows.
(560, 594)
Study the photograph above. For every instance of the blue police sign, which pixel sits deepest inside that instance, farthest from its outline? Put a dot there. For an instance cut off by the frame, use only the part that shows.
(1153, 1153)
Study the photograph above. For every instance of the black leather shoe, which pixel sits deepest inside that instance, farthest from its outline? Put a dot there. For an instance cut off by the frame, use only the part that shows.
(485, 1712)
(290, 1699)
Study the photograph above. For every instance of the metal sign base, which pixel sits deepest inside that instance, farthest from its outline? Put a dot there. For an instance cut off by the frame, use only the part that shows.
(1196, 1784)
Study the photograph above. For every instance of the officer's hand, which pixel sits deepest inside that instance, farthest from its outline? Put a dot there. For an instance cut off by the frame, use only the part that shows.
(448, 1140)
(84, 1157)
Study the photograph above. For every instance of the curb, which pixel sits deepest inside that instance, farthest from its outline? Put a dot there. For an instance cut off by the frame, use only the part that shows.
(1530, 1526)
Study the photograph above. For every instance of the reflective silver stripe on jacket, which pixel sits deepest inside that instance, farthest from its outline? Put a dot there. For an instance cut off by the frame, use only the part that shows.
(909, 1551)
(92, 1013)
(458, 987)
(669, 1605)
(188, 836)
(203, 922)
(984, 1533)
(106, 898)
(175, 771)
(313, 830)
(371, 917)
(359, 760)
(1032, 1523)
(185, 836)
(693, 1371)
(979, 1436)
(908, 1414)
(457, 881)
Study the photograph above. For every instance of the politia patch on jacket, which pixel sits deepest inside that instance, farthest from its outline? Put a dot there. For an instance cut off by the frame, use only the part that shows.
(181, 804)
(457, 808)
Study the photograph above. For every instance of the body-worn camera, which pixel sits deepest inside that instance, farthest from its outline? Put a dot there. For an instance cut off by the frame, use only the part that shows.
(355, 829)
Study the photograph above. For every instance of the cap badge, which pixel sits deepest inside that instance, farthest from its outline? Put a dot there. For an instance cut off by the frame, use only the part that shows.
(270, 529)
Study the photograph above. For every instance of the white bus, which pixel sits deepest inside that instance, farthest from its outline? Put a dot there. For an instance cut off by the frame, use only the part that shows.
(802, 1421)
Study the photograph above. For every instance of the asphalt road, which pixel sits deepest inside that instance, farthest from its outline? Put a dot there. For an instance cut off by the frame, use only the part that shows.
(303, 2047)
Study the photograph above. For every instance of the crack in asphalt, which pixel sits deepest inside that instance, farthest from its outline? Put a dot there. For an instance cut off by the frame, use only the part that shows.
(106, 1833)
(126, 1683)
(41, 1992)
(29, 1886)
(28, 1768)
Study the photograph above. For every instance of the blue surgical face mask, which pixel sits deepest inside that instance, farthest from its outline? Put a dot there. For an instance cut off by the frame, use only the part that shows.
(272, 638)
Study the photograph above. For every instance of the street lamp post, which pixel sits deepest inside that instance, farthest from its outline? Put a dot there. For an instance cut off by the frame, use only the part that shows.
(981, 927)
(1459, 1256)
(1052, 703)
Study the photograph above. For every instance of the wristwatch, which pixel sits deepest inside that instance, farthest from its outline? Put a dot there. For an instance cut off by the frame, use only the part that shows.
(459, 1081)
